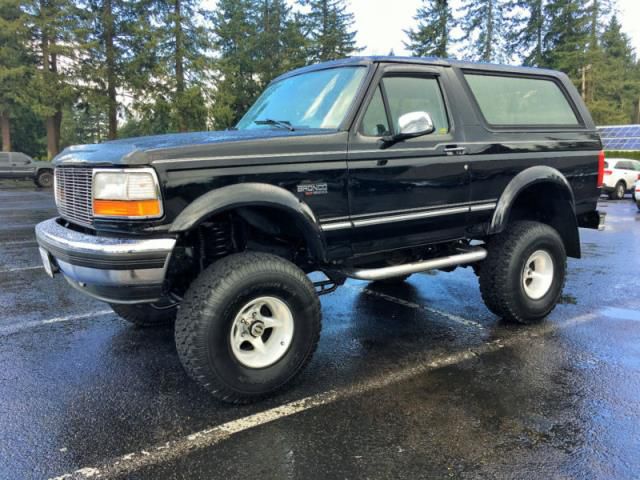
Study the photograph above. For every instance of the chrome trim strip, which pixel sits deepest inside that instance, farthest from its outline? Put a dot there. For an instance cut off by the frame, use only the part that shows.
(329, 227)
(381, 219)
(410, 216)
(420, 209)
(479, 208)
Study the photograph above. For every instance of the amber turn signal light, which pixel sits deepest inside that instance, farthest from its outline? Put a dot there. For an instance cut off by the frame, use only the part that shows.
(126, 208)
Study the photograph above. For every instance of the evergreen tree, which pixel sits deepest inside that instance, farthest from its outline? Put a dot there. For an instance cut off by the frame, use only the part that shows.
(526, 31)
(615, 85)
(182, 44)
(567, 37)
(107, 42)
(280, 45)
(484, 26)
(430, 38)
(14, 65)
(53, 26)
(237, 83)
(329, 28)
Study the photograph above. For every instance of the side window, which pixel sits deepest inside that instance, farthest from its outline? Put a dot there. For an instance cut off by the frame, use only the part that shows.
(4, 158)
(374, 122)
(416, 94)
(20, 159)
(624, 165)
(512, 100)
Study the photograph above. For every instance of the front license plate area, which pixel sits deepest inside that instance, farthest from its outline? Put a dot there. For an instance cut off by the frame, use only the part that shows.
(46, 261)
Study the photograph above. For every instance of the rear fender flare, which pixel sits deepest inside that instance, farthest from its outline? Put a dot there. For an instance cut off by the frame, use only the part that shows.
(566, 223)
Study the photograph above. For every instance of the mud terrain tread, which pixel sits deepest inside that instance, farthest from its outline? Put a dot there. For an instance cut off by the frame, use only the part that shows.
(494, 284)
(204, 297)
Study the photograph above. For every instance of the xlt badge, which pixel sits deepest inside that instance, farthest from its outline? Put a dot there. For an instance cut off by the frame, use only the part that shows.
(310, 189)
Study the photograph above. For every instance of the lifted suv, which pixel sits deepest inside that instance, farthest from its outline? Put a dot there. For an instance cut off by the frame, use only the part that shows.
(368, 168)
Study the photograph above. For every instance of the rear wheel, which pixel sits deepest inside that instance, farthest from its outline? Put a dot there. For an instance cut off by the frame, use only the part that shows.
(522, 278)
(147, 315)
(247, 326)
(618, 191)
(44, 179)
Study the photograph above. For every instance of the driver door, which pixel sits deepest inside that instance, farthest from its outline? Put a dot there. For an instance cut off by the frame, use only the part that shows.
(412, 191)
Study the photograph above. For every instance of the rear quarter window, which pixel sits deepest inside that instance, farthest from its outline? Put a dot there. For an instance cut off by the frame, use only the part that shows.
(521, 101)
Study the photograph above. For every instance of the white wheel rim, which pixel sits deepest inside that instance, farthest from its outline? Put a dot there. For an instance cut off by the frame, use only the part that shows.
(262, 332)
(537, 275)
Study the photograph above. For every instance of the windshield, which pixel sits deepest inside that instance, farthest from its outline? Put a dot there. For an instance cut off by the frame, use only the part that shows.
(312, 100)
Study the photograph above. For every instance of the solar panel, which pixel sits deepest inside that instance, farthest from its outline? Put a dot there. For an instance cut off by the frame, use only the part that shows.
(620, 137)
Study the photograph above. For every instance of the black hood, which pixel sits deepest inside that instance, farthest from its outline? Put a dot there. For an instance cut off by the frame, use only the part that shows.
(140, 150)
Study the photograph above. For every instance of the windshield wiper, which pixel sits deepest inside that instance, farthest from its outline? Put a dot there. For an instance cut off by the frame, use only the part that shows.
(275, 123)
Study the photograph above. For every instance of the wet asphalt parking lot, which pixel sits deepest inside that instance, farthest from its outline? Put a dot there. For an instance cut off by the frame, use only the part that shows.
(411, 381)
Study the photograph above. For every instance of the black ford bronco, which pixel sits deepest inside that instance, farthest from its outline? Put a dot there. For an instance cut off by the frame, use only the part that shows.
(366, 168)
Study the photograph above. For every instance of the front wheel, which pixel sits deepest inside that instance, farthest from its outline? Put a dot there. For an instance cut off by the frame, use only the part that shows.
(247, 326)
(522, 278)
(44, 179)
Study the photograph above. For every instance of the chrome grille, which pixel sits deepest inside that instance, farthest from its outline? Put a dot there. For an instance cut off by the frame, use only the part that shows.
(73, 194)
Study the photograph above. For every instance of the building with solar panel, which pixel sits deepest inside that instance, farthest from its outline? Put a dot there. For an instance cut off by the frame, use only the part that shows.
(620, 137)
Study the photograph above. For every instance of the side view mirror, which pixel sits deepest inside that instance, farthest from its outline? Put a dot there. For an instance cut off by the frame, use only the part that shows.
(412, 124)
(415, 124)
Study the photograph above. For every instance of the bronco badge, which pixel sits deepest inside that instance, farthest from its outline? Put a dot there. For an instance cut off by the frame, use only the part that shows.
(310, 189)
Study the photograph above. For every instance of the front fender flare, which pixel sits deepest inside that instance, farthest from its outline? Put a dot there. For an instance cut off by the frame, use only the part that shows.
(253, 195)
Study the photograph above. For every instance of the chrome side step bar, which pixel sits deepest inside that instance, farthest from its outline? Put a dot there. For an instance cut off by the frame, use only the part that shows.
(466, 256)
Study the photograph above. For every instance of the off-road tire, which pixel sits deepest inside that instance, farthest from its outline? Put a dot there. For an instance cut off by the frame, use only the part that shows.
(145, 315)
(209, 308)
(44, 179)
(615, 194)
(392, 281)
(501, 273)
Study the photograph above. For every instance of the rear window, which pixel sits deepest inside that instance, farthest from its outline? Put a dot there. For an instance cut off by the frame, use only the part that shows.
(507, 100)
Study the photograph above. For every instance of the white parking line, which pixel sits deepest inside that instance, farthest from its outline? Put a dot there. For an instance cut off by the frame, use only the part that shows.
(174, 449)
(22, 269)
(18, 327)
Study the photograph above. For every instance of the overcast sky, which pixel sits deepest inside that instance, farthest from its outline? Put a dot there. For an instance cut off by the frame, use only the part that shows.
(380, 23)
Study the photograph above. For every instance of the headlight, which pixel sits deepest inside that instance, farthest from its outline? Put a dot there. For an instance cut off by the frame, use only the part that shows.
(131, 193)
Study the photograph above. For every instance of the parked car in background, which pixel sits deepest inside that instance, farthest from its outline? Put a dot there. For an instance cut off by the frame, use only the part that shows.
(636, 194)
(17, 165)
(620, 176)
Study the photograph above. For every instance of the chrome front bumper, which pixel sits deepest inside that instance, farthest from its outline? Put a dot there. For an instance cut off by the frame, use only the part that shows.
(115, 270)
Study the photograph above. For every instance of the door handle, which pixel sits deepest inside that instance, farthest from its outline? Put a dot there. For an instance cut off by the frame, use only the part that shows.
(383, 162)
(454, 150)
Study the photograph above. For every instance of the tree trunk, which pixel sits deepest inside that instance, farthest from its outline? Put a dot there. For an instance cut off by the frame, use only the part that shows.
(5, 126)
(112, 102)
(179, 58)
(57, 116)
(49, 65)
(52, 146)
